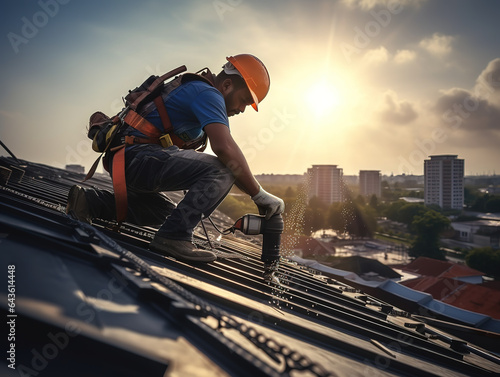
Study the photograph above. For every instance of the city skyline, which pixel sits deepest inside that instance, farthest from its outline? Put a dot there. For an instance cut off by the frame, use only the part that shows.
(364, 84)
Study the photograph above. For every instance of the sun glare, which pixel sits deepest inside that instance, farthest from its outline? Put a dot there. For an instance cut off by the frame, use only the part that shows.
(323, 98)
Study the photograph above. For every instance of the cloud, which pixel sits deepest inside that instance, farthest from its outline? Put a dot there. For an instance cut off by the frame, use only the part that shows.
(466, 121)
(382, 55)
(370, 4)
(376, 56)
(404, 56)
(474, 110)
(488, 82)
(396, 111)
(438, 44)
(463, 109)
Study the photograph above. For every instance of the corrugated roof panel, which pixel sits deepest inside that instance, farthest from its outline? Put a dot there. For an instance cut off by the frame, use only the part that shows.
(96, 302)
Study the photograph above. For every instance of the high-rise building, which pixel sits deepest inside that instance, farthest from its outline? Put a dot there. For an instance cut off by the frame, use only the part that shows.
(369, 183)
(325, 182)
(444, 181)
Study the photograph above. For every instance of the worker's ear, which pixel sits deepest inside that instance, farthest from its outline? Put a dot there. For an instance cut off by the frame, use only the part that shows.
(227, 86)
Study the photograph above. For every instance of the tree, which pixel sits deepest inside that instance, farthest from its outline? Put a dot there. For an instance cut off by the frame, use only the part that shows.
(470, 196)
(428, 228)
(235, 207)
(353, 218)
(290, 193)
(493, 204)
(484, 259)
(314, 216)
(335, 218)
(360, 200)
(480, 203)
(409, 211)
(392, 211)
(374, 202)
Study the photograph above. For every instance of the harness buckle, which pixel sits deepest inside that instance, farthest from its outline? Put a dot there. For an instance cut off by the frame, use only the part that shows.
(166, 141)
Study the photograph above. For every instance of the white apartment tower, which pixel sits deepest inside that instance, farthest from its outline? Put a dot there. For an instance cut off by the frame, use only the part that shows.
(325, 182)
(444, 181)
(369, 183)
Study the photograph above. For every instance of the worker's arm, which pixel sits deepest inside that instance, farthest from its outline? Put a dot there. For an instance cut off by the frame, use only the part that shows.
(230, 154)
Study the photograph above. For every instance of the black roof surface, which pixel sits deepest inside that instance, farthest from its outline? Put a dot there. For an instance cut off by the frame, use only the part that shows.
(93, 302)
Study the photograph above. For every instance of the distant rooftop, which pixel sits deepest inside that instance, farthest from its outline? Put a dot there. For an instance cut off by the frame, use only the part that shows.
(474, 297)
(444, 157)
(432, 267)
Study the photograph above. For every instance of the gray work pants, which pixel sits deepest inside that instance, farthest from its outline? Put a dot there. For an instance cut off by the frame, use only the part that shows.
(151, 170)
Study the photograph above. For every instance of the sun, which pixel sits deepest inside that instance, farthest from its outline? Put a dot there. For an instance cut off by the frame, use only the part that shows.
(323, 98)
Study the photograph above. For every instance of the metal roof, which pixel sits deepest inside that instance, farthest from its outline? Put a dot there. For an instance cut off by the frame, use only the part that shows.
(90, 301)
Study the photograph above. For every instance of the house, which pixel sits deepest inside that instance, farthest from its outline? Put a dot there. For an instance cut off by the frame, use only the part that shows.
(443, 269)
(479, 233)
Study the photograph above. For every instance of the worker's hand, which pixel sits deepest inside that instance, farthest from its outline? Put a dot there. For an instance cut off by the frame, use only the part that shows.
(268, 204)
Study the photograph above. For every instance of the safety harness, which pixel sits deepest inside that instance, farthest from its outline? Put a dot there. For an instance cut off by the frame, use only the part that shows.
(110, 136)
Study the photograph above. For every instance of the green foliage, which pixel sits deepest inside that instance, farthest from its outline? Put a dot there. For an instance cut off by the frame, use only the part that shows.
(404, 212)
(470, 196)
(398, 190)
(485, 203)
(428, 228)
(335, 218)
(493, 204)
(392, 211)
(314, 216)
(290, 193)
(409, 211)
(484, 259)
(353, 218)
(236, 206)
(360, 200)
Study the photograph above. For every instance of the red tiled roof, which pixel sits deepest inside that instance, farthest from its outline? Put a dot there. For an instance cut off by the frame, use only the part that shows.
(427, 266)
(495, 284)
(476, 299)
(473, 297)
(458, 270)
(438, 287)
(433, 267)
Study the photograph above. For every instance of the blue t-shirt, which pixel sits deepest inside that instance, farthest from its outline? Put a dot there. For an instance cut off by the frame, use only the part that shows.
(190, 107)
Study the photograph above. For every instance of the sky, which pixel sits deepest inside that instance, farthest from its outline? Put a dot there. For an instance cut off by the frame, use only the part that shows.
(362, 84)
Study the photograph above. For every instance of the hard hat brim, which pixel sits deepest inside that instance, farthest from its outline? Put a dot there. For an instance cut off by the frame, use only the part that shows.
(245, 76)
(255, 103)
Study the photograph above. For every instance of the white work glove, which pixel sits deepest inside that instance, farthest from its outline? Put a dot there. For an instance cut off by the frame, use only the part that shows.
(268, 204)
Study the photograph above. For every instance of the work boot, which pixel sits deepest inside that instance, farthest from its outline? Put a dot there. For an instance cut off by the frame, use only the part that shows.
(270, 274)
(78, 206)
(181, 250)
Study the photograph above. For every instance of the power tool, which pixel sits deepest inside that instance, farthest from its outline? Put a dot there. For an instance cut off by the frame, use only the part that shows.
(271, 230)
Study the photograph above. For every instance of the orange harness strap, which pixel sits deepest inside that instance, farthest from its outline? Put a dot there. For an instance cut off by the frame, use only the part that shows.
(153, 134)
(119, 184)
(136, 121)
(162, 112)
(141, 124)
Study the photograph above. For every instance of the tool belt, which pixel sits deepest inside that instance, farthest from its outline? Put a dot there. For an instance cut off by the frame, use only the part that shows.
(110, 135)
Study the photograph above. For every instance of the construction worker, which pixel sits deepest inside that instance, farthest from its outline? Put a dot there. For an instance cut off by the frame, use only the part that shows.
(194, 108)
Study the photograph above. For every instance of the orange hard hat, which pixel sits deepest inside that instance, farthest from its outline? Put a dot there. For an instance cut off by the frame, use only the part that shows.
(254, 73)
